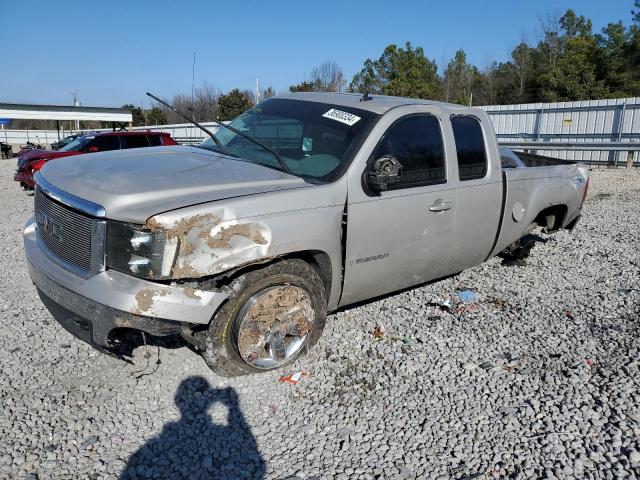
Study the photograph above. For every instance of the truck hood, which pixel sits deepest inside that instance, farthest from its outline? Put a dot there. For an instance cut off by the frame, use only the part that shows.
(133, 185)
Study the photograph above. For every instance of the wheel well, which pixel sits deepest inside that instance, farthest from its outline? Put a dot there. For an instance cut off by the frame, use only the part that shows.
(318, 259)
(552, 218)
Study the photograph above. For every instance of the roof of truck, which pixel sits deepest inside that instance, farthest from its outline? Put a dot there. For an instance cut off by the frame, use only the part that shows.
(377, 103)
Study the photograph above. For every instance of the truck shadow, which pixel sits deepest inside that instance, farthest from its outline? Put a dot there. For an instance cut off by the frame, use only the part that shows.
(197, 446)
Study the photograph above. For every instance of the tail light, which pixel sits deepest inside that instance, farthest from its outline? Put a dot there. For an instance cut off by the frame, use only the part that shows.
(37, 165)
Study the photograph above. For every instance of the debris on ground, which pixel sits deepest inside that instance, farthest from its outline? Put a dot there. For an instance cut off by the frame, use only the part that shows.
(569, 314)
(466, 295)
(471, 308)
(379, 331)
(293, 378)
(444, 304)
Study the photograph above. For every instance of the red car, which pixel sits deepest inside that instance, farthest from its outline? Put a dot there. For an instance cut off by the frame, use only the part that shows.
(32, 160)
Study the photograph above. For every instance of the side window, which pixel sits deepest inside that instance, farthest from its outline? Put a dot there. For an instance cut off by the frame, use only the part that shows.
(472, 156)
(154, 140)
(105, 143)
(134, 141)
(416, 142)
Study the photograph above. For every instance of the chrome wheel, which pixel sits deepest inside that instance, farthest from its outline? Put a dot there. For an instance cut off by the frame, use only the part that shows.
(273, 325)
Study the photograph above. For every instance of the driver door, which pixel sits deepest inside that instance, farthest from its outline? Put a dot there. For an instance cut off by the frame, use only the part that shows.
(402, 236)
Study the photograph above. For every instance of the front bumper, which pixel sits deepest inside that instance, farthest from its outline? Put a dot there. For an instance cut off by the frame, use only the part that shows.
(92, 307)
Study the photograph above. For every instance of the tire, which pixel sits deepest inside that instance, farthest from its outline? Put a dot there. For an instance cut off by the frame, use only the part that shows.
(235, 340)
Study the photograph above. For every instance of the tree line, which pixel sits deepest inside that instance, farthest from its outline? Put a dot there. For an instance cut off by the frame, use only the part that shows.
(568, 61)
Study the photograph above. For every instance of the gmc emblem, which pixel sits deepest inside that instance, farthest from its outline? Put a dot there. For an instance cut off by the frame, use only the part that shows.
(46, 223)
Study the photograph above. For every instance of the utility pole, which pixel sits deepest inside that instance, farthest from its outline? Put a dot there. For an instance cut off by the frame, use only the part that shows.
(76, 103)
(257, 92)
(193, 77)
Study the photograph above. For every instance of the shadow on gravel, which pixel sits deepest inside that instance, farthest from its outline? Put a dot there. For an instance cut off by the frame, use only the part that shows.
(197, 446)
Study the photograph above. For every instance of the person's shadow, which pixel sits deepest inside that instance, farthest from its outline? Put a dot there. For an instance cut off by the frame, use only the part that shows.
(195, 446)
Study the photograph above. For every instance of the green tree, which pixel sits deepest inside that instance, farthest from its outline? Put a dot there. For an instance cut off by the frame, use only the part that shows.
(137, 113)
(573, 73)
(304, 86)
(232, 104)
(459, 80)
(401, 71)
(155, 116)
(268, 93)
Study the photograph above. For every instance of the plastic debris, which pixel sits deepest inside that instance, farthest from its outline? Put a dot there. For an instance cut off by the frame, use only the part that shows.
(569, 314)
(466, 295)
(379, 331)
(407, 339)
(293, 378)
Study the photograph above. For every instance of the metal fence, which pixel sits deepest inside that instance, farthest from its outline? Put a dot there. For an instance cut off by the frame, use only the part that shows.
(183, 133)
(590, 131)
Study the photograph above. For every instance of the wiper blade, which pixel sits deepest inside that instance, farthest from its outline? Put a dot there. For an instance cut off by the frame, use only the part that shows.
(277, 156)
(190, 120)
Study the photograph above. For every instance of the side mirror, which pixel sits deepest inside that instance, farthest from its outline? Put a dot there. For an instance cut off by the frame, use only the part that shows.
(386, 171)
(92, 149)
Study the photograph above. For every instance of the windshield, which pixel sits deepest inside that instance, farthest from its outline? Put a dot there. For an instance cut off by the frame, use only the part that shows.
(78, 144)
(315, 140)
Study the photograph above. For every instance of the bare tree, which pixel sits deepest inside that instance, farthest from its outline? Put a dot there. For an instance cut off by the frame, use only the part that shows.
(205, 102)
(328, 77)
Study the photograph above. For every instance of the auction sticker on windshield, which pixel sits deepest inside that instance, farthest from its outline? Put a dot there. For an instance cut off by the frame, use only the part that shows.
(342, 117)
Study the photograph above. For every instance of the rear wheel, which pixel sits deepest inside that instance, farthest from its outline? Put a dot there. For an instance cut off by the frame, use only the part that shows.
(273, 315)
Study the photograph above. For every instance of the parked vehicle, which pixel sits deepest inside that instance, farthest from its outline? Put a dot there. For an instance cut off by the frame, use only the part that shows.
(6, 151)
(243, 245)
(65, 141)
(32, 160)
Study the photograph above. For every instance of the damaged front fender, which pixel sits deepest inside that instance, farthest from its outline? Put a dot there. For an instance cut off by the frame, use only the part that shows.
(207, 245)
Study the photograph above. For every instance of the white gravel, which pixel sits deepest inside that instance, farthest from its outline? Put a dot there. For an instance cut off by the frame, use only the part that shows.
(538, 378)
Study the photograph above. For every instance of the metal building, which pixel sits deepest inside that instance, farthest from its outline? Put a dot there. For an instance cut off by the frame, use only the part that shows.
(593, 131)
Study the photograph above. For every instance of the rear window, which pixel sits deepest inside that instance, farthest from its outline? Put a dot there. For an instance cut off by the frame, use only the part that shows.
(134, 141)
(155, 140)
(472, 156)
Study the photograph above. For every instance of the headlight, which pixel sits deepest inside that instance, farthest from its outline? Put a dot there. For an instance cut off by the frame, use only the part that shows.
(132, 249)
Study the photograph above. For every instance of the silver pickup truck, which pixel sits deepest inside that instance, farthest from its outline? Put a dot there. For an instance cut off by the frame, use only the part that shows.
(243, 244)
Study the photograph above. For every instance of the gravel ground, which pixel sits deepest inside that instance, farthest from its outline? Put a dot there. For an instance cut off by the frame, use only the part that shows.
(537, 378)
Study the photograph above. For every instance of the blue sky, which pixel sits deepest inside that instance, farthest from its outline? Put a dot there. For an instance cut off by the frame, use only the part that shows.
(112, 52)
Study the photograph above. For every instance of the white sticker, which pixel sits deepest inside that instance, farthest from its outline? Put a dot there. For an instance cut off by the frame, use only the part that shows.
(342, 117)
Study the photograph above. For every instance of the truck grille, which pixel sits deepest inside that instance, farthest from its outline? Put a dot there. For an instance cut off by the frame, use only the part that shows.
(64, 231)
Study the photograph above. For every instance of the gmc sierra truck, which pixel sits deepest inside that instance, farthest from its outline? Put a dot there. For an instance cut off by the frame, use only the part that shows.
(310, 202)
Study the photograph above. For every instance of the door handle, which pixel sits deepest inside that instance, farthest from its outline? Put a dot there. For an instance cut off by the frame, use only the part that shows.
(440, 206)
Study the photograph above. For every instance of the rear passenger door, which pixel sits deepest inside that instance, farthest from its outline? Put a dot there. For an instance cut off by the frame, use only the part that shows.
(479, 191)
(134, 141)
(401, 237)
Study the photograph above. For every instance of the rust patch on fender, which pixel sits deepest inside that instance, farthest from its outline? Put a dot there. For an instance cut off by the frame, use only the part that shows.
(191, 293)
(223, 237)
(144, 299)
(186, 271)
(182, 228)
(259, 238)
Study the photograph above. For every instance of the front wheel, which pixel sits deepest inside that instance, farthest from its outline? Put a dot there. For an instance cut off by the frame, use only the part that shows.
(273, 315)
